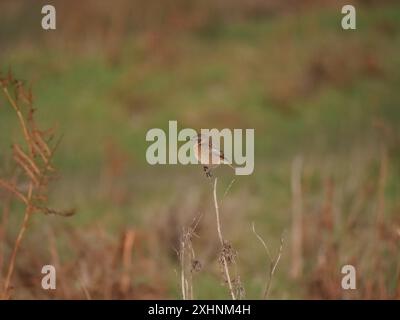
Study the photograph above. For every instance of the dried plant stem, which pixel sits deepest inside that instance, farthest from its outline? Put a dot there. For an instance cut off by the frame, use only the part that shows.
(35, 170)
(221, 239)
(85, 290)
(383, 174)
(17, 244)
(273, 263)
(56, 263)
(182, 258)
(20, 118)
(228, 188)
(127, 245)
(297, 218)
(188, 261)
(13, 190)
(3, 228)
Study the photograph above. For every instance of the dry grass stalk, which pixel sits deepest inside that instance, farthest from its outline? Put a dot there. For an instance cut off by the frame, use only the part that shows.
(55, 258)
(3, 228)
(297, 219)
(273, 262)
(188, 261)
(127, 246)
(85, 290)
(327, 216)
(226, 254)
(383, 174)
(33, 160)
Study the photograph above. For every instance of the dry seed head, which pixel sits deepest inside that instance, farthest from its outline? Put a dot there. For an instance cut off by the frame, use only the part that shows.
(196, 266)
(227, 253)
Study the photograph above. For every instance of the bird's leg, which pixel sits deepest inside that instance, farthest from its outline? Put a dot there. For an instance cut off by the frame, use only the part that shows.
(207, 171)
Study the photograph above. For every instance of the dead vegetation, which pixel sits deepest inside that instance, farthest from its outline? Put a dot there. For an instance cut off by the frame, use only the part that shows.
(226, 257)
(349, 226)
(32, 168)
(190, 265)
(26, 179)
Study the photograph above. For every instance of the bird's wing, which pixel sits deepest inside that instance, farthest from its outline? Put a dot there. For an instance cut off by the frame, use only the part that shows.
(217, 153)
(220, 154)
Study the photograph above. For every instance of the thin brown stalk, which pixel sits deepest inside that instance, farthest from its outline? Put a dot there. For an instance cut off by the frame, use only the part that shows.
(25, 158)
(297, 219)
(127, 245)
(14, 190)
(27, 170)
(383, 174)
(221, 239)
(56, 262)
(85, 290)
(182, 258)
(41, 144)
(228, 188)
(273, 262)
(24, 226)
(3, 228)
(20, 118)
(189, 264)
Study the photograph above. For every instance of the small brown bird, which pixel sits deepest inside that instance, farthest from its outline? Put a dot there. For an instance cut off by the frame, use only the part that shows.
(207, 154)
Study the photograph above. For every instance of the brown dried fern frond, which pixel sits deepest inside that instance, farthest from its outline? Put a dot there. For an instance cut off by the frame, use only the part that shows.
(33, 168)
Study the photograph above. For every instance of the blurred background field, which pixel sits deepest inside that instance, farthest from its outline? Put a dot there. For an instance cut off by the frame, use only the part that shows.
(312, 91)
